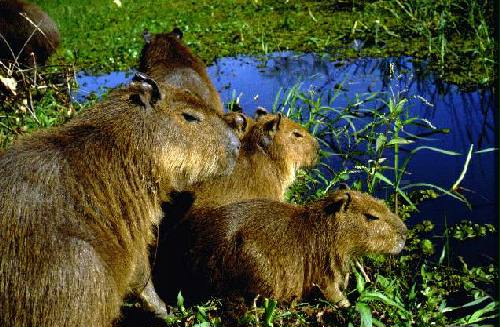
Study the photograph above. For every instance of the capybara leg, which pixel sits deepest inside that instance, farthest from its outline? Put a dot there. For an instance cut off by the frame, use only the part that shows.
(152, 302)
(333, 294)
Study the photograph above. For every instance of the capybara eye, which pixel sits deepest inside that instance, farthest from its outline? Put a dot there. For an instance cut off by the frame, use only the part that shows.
(297, 134)
(190, 118)
(371, 217)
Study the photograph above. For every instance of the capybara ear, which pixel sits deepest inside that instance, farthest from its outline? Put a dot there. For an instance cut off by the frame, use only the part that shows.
(237, 122)
(336, 203)
(147, 92)
(260, 112)
(147, 36)
(177, 32)
(343, 187)
(269, 129)
(235, 107)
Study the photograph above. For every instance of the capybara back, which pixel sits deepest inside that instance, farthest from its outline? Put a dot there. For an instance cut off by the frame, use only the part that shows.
(78, 202)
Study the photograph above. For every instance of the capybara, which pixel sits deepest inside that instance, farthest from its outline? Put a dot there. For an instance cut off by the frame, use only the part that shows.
(279, 250)
(239, 122)
(272, 151)
(165, 57)
(26, 29)
(78, 202)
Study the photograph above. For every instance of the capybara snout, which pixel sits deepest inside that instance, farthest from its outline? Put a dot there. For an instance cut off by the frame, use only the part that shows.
(371, 227)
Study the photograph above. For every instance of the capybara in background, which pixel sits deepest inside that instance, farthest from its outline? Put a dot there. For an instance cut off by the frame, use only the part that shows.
(279, 250)
(239, 122)
(78, 202)
(166, 58)
(272, 151)
(26, 29)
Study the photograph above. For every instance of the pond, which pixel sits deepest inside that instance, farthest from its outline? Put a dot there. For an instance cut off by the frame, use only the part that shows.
(470, 116)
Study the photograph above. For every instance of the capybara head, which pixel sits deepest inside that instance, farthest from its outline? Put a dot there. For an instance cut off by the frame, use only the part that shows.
(190, 141)
(166, 58)
(27, 30)
(363, 224)
(283, 140)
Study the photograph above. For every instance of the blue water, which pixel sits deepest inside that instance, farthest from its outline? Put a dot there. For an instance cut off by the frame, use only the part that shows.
(471, 117)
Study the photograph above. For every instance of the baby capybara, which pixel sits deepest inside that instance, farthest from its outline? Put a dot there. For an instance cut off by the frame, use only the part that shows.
(279, 250)
(272, 151)
(166, 58)
(78, 202)
(26, 29)
(239, 122)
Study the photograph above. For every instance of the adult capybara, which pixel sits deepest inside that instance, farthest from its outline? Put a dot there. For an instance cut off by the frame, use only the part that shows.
(165, 57)
(272, 150)
(279, 250)
(78, 202)
(26, 29)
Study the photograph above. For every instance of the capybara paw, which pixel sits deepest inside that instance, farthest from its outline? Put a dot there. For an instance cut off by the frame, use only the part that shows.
(344, 303)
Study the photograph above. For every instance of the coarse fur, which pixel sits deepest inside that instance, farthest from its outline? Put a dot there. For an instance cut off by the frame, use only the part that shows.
(272, 151)
(239, 122)
(278, 250)
(165, 57)
(78, 202)
(273, 148)
(26, 29)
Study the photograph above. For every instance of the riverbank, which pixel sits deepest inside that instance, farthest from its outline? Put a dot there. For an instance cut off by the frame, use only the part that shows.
(455, 36)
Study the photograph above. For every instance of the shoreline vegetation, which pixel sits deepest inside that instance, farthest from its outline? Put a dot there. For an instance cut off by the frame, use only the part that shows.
(457, 37)
(426, 285)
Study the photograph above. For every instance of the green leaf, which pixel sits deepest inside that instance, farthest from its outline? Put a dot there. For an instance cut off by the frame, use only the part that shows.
(399, 190)
(202, 324)
(377, 296)
(180, 302)
(381, 139)
(269, 310)
(399, 140)
(360, 281)
(378, 323)
(366, 314)
(486, 150)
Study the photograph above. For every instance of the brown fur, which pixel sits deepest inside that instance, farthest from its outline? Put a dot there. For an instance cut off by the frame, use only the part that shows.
(270, 155)
(240, 123)
(78, 202)
(166, 58)
(275, 249)
(42, 39)
(272, 151)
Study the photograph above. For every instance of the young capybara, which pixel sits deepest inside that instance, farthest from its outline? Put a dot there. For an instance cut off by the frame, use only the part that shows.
(26, 29)
(78, 202)
(239, 122)
(279, 250)
(272, 150)
(165, 57)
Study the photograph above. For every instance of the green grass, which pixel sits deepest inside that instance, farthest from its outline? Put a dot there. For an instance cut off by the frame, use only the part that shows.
(456, 36)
